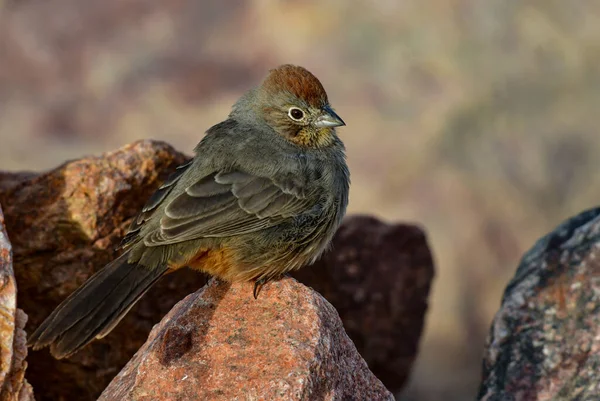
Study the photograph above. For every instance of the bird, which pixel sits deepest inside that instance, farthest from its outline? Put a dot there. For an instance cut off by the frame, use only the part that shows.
(263, 195)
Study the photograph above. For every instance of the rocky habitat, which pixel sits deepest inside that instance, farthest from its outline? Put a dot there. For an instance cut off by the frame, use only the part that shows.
(347, 327)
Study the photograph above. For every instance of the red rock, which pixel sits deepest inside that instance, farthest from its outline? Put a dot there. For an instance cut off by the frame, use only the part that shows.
(64, 225)
(13, 349)
(544, 343)
(378, 276)
(221, 344)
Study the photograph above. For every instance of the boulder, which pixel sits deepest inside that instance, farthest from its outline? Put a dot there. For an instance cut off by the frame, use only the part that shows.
(378, 275)
(13, 351)
(66, 223)
(544, 343)
(222, 344)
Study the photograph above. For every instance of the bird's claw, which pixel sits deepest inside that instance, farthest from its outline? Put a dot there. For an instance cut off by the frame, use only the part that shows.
(258, 285)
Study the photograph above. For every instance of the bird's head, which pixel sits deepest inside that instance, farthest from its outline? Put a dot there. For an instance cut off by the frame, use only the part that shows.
(293, 102)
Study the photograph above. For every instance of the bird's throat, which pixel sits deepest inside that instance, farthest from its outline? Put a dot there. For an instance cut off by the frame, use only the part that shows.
(314, 137)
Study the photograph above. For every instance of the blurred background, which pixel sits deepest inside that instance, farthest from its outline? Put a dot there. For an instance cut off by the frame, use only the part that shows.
(476, 119)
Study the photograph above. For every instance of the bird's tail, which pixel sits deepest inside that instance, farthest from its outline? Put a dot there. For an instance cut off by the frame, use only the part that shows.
(95, 308)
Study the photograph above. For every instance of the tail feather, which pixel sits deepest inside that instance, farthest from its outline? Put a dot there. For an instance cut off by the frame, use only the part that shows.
(94, 309)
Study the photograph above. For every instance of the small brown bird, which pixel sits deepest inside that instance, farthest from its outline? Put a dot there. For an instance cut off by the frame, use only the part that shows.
(264, 194)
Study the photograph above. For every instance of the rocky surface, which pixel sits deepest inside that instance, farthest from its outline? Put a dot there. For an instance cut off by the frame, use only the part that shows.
(64, 225)
(478, 119)
(13, 350)
(220, 343)
(378, 275)
(544, 343)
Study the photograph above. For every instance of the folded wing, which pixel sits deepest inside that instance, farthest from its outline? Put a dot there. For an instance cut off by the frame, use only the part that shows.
(222, 204)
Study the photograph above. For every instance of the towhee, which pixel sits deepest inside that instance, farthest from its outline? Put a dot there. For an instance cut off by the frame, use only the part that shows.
(264, 194)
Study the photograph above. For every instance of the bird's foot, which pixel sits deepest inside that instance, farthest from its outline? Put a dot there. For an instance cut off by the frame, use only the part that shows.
(258, 285)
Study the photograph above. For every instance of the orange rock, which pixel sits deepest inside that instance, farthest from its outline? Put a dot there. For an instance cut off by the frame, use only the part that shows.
(221, 344)
(13, 350)
(64, 225)
(377, 276)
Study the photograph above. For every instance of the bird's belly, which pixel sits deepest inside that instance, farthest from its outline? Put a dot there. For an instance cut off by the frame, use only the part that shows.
(219, 262)
(267, 253)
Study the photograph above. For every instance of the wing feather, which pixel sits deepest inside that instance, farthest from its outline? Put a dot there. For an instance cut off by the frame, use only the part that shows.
(225, 204)
(152, 203)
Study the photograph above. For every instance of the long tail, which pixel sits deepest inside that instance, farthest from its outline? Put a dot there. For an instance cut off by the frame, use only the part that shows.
(95, 308)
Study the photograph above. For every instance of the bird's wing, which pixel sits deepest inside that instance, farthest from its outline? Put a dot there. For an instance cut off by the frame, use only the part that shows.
(152, 204)
(222, 204)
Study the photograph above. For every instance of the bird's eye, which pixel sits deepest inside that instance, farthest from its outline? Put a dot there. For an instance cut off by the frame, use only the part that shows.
(295, 114)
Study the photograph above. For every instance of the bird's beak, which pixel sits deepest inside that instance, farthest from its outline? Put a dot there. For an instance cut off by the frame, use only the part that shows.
(329, 119)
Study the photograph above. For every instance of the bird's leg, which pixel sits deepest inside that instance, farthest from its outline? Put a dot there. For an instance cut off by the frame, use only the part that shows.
(258, 285)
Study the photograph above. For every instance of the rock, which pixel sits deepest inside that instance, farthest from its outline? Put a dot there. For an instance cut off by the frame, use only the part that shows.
(544, 343)
(64, 225)
(13, 350)
(221, 344)
(378, 276)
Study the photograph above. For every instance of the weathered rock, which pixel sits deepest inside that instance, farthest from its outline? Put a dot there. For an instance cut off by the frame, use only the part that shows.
(13, 350)
(221, 344)
(65, 225)
(544, 343)
(378, 276)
